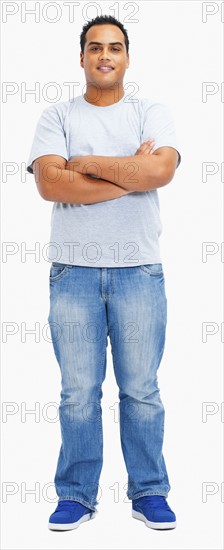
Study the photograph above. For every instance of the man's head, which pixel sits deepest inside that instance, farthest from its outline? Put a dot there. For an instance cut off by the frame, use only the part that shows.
(104, 42)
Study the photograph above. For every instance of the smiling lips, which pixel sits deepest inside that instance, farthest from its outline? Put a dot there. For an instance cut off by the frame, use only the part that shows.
(105, 68)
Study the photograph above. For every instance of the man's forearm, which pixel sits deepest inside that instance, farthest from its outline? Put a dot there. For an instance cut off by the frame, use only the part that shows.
(79, 189)
(136, 173)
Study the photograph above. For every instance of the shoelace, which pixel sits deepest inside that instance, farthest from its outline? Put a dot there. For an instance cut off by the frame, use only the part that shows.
(67, 505)
(156, 502)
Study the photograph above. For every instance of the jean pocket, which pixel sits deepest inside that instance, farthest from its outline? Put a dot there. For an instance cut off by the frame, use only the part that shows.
(58, 271)
(155, 270)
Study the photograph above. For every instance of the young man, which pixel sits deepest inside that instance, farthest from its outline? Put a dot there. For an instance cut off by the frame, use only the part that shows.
(90, 155)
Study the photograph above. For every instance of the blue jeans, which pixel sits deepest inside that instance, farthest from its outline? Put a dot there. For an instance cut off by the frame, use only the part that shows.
(128, 304)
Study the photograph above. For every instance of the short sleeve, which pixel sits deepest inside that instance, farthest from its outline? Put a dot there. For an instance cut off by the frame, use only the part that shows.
(158, 124)
(49, 137)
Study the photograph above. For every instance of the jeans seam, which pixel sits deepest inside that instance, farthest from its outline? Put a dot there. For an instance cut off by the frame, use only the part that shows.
(100, 389)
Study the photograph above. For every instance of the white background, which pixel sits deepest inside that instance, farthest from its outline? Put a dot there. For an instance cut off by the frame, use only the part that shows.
(172, 52)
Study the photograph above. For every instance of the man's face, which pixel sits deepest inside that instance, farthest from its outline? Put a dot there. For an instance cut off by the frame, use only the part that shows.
(114, 55)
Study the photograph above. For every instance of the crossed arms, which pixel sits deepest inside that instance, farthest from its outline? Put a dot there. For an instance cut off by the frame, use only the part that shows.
(136, 173)
(72, 182)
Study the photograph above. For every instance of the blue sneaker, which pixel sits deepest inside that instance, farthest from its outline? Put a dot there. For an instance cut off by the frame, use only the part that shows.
(154, 511)
(69, 514)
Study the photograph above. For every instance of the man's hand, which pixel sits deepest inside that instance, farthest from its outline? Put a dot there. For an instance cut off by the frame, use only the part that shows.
(146, 147)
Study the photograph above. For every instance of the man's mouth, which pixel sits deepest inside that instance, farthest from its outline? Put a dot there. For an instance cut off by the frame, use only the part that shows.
(105, 69)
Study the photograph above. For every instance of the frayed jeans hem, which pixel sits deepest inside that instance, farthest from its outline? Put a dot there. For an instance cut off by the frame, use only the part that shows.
(84, 502)
(148, 493)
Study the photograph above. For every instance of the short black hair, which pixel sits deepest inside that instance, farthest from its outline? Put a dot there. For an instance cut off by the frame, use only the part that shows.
(102, 20)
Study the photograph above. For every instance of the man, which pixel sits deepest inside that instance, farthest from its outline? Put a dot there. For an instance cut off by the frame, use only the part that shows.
(90, 155)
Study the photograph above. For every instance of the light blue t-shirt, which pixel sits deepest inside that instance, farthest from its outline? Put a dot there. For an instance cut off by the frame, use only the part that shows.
(121, 232)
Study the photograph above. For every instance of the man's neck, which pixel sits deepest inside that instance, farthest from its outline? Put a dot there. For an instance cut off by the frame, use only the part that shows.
(106, 98)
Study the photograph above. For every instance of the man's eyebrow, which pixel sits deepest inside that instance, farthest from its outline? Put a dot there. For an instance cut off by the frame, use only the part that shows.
(110, 43)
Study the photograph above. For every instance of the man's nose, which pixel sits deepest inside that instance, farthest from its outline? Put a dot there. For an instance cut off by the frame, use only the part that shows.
(104, 53)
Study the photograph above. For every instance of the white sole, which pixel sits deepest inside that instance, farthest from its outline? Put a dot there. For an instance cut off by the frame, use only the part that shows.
(152, 524)
(68, 526)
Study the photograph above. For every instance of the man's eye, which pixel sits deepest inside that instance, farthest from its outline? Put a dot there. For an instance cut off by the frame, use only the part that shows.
(96, 48)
